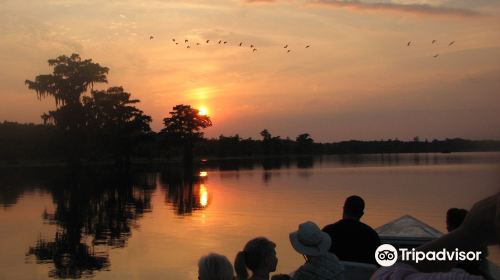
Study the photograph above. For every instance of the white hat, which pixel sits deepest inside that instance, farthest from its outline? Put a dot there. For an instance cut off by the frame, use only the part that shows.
(310, 240)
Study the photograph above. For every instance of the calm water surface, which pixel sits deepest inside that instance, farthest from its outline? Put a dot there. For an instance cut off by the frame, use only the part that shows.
(155, 223)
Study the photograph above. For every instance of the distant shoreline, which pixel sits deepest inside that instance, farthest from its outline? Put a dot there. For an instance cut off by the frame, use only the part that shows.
(200, 160)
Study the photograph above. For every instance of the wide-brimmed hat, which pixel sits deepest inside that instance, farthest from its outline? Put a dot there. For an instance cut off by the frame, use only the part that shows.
(310, 240)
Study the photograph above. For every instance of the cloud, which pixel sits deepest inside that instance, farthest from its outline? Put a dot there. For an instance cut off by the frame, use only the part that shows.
(414, 9)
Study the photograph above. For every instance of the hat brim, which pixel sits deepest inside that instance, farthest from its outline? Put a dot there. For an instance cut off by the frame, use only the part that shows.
(319, 250)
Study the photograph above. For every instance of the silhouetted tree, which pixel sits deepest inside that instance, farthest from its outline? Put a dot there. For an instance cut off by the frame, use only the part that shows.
(229, 145)
(184, 127)
(304, 143)
(70, 79)
(266, 135)
(115, 123)
(26, 142)
(277, 145)
(266, 141)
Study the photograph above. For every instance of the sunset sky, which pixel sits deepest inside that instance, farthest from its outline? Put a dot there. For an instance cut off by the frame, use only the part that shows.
(358, 79)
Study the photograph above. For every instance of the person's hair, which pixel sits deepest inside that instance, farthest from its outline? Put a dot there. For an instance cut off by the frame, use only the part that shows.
(354, 205)
(253, 256)
(455, 217)
(215, 267)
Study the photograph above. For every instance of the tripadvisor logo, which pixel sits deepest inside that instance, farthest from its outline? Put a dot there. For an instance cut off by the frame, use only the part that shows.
(387, 255)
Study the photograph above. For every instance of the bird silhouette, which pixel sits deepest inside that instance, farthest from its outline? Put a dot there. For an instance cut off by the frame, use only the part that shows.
(433, 41)
(251, 46)
(451, 43)
(220, 41)
(286, 46)
(288, 51)
(254, 50)
(436, 55)
(151, 37)
(307, 46)
(225, 42)
(185, 41)
(188, 47)
(208, 41)
(176, 43)
(197, 44)
(409, 43)
(173, 40)
(241, 43)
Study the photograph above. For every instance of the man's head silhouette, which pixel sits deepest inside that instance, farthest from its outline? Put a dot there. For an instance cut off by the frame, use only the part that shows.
(354, 207)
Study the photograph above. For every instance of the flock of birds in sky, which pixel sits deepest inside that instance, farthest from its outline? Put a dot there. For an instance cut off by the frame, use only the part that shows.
(254, 48)
(221, 42)
(433, 42)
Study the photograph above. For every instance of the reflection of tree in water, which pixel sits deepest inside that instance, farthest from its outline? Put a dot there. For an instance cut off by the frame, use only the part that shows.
(186, 191)
(93, 212)
(14, 183)
(275, 163)
(269, 164)
(305, 162)
(71, 257)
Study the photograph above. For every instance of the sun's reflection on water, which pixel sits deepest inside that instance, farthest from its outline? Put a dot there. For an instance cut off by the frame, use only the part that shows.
(203, 195)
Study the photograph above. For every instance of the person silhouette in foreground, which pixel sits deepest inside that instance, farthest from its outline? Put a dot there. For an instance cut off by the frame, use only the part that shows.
(215, 267)
(259, 256)
(313, 244)
(454, 218)
(353, 240)
(480, 228)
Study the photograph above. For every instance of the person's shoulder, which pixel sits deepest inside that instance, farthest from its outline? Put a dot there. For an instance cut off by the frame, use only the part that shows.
(345, 225)
(331, 227)
(367, 227)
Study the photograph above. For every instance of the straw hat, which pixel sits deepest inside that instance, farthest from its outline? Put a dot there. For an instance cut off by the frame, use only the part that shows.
(310, 240)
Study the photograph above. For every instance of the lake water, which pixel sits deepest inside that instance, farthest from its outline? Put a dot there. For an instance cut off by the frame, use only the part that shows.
(155, 222)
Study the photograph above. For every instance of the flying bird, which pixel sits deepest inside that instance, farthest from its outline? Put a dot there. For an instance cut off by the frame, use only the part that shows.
(435, 56)
(286, 46)
(254, 50)
(151, 37)
(186, 40)
(409, 43)
(225, 42)
(208, 41)
(451, 43)
(220, 41)
(288, 51)
(251, 46)
(197, 44)
(188, 47)
(173, 40)
(241, 43)
(176, 43)
(433, 41)
(307, 46)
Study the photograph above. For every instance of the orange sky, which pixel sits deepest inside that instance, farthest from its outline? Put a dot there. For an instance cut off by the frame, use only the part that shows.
(357, 80)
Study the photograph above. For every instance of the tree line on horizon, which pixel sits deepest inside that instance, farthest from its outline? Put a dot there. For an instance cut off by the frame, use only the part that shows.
(105, 125)
(24, 142)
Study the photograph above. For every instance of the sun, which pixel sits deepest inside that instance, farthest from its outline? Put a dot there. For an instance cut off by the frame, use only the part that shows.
(202, 111)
